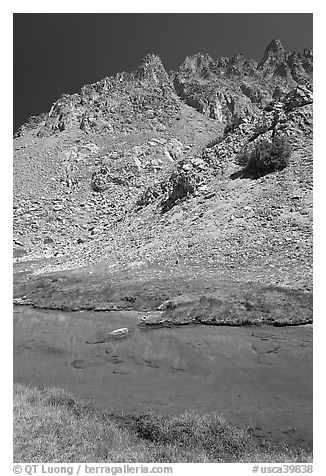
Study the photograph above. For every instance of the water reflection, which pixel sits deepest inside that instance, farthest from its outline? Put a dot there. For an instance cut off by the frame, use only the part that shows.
(229, 370)
(72, 332)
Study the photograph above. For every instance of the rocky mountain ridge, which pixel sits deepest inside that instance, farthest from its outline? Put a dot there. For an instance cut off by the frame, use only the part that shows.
(138, 175)
(226, 90)
(231, 89)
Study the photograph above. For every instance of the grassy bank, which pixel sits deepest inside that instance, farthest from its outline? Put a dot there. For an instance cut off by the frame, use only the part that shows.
(52, 426)
(185, 299)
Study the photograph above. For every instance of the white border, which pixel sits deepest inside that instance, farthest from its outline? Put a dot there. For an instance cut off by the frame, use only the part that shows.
(6, 117)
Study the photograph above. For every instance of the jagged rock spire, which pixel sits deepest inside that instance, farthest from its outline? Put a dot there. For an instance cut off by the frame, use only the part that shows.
(200, 60)
(273, 55)
(152, 69)
(236, 57)
(200, 64)
(275, 46)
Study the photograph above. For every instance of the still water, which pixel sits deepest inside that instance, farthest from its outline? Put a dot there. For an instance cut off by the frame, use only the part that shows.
(256, 376)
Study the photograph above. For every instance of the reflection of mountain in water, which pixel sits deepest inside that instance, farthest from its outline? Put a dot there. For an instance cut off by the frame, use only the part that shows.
(248, 376)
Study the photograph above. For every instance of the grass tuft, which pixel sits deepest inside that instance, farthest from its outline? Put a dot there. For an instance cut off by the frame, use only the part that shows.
(51, 426)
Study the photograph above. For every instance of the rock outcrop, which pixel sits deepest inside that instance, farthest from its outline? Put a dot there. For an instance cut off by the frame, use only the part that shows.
(137, 101)
(236, 87)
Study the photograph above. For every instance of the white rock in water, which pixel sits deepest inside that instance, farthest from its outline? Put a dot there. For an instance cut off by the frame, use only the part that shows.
(123, 330)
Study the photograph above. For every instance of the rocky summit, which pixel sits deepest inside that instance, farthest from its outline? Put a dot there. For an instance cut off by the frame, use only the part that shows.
(138, 192)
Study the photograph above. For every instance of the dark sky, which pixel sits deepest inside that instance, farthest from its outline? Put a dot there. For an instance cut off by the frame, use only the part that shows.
(59, 53)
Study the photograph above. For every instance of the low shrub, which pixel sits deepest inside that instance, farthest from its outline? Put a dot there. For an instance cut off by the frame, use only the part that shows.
(266, 157)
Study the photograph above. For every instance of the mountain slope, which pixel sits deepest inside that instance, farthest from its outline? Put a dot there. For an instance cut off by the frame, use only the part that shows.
(136, 179)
